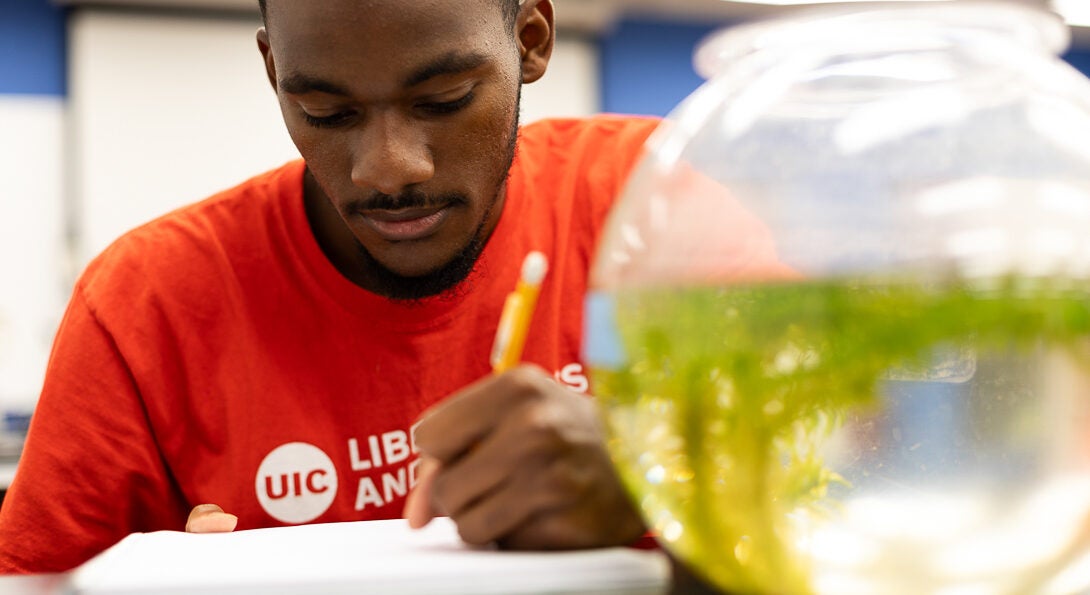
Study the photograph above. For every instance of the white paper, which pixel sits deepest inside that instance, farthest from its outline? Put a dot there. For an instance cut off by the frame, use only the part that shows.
(359, 557)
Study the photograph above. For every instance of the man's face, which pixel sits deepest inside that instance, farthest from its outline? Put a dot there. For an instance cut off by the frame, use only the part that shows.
(406, 114)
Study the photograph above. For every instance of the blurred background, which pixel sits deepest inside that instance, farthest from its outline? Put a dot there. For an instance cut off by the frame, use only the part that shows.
(115, 111)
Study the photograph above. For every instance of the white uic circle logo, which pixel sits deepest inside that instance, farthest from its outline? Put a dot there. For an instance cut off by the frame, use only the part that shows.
(296, 483)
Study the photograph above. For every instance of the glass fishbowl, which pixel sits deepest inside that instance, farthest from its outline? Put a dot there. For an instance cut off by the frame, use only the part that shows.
(839, 321)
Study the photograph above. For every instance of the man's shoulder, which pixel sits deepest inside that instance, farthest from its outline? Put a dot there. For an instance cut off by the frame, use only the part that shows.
(195, 238)
(576, 168)
(601, 149)
(590, 129)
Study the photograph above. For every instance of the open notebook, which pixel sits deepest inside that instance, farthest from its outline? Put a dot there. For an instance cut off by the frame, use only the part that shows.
(360, 557)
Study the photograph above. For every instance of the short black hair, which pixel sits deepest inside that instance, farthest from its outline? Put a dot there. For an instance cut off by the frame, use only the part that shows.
(510, 10)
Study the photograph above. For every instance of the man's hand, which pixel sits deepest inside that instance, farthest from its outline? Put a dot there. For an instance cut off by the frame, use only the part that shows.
(209, 518)
(520, 460)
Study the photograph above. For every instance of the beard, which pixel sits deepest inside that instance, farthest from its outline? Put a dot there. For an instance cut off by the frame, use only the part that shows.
(449, 281)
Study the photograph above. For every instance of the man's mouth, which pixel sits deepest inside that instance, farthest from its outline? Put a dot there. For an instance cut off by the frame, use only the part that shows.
(406, 224)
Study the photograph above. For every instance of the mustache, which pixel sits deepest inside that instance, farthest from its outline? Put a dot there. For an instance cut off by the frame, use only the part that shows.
(410, 199)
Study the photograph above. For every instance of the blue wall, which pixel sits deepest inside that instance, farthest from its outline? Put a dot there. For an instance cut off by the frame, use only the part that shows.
(647, 65)
(32, 48)
(1079, 58)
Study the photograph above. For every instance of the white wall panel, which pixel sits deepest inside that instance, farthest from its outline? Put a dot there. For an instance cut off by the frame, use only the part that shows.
(33, 284)
(571, 84)
(166, 110)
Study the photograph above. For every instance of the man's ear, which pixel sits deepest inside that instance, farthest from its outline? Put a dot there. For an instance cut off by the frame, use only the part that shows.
(266, 56)
(535, 35)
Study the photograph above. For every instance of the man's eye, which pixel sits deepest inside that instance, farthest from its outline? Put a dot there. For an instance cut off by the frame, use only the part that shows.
(327, 121)
(448, 107)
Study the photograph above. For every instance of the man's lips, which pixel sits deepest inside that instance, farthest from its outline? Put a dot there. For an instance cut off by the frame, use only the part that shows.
(406, 224)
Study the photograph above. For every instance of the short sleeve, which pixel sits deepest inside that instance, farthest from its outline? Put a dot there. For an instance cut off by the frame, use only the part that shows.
(91, 472)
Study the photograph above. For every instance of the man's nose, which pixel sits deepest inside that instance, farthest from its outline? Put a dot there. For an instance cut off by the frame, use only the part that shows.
(392, 155)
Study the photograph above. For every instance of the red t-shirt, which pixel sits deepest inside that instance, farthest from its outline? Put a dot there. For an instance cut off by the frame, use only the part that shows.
(216, 355)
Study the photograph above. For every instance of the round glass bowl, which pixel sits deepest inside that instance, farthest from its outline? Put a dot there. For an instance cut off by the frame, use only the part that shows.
(839, 322)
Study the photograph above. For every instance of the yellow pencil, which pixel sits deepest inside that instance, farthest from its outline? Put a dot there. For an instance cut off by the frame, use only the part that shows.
(518, 309)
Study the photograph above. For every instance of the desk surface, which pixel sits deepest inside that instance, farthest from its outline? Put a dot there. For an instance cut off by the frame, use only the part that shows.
(682, 583)
(53, 584)
(338, 557)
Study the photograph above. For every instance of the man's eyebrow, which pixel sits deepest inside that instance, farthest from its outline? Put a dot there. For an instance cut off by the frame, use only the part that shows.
(301, 84)
(450, 63)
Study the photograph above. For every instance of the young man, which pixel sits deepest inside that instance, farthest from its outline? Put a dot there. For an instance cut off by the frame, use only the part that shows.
(309, 345)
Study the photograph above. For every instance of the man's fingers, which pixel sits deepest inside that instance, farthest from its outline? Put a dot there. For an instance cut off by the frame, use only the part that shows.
(209, 518)
(511, 506)
(460, 422)
(490, 463)
(534, 435)
(419, 507)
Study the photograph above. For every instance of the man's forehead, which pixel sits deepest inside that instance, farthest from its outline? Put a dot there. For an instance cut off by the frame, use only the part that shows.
(379, 26)
(372, 17)
(365, 6)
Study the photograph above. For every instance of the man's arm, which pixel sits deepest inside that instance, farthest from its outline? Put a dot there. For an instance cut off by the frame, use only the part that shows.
(520, 460)
(91, 471)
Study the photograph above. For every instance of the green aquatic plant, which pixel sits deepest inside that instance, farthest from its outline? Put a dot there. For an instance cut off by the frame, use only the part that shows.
(726, 396)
